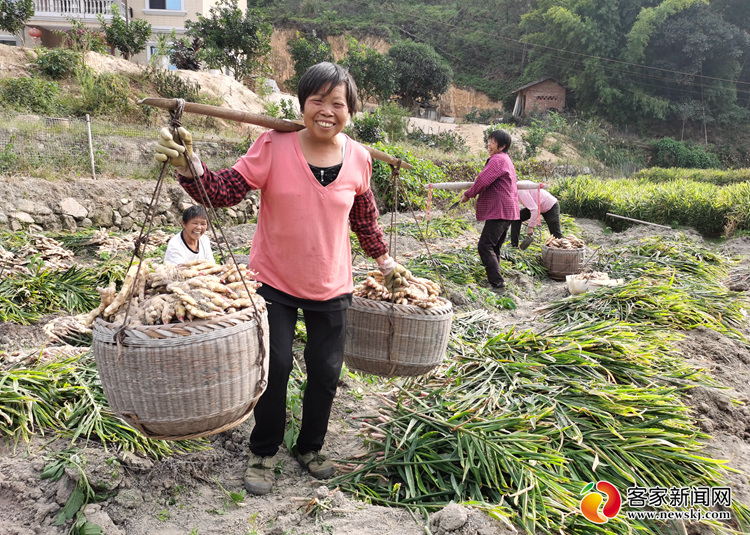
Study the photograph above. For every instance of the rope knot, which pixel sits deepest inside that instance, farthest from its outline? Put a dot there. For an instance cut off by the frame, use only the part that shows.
(175, 116)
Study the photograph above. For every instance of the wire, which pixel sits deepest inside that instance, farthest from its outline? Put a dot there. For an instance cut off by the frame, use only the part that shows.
(390, 8)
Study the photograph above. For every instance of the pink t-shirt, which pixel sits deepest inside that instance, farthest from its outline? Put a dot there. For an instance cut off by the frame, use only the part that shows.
(534, 200)
(301, 245)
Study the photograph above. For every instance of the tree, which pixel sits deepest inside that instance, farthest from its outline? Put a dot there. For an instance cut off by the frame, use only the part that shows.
(374, 72)
(14, 14)
(128, 38)
(232, 39)
(596, 49)
(421, 74)
(306, 52)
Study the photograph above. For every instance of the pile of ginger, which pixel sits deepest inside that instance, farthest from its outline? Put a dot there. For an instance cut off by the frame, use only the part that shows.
(418, 291)
(168, 293)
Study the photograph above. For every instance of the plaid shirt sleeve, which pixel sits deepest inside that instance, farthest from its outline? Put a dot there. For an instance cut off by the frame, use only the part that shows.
(363, 219)
(224, 188)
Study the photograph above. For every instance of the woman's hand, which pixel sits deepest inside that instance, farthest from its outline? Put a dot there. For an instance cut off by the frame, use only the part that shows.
(396, 276)
(167, 150)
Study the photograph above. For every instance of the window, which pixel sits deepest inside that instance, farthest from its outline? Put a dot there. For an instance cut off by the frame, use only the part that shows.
(170, 5)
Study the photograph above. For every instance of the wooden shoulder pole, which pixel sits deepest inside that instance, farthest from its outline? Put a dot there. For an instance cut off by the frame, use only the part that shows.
(257, 119)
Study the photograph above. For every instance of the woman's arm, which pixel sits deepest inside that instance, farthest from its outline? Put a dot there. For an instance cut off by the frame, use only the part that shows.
(225, 187)
(363, 219)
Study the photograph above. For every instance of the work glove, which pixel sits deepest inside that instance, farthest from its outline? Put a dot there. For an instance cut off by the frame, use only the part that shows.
(396, 276)
(167, 150)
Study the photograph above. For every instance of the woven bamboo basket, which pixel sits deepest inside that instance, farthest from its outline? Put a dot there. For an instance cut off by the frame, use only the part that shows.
(562, 262)
(396, 340)
(184, 380)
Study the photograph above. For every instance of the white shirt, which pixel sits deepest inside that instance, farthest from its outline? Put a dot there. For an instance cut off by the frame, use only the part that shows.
(179, 253)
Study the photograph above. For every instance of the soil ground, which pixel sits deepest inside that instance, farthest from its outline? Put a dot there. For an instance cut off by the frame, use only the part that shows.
(184, 494)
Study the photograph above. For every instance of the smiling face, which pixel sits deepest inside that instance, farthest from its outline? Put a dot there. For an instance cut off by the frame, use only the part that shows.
(493, 147)
(326, 115)
(194, 229)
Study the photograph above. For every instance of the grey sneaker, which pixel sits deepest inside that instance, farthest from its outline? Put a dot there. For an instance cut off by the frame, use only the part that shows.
(319, 466)
(259, 475)
(499, 290)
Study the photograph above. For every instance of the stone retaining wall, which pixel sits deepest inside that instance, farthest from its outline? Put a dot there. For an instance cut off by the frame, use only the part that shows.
(116, 205)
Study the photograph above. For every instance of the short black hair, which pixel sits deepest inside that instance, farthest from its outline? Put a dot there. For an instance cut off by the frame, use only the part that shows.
(502, 138)
(328, 74)
(194, 212)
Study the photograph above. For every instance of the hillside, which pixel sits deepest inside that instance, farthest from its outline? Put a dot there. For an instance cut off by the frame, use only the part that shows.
(226, 91)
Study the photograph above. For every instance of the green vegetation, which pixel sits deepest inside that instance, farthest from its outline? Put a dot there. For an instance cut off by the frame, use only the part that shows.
(83, 493)
(232, 39)
(421, 73)
(14, 14)
(518, 423)
(374, 72)
(306, 52)
(712, 176)
(24, 299)
(128, 37)
(57, 63)
(64, 398)
(708, 208)
(30, 94)
(668, 152)
(412, 183)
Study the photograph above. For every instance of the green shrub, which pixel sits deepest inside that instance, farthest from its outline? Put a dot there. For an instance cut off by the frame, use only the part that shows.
(668, 152)
(534, 138)
(368, 127)
(169, 85)
(81, 39)
(58, 63)
(447, 140)
(30, 94)
(395, 121)
(284, 109)
(412, 189)
(8, 157)
(104, 93)
(287, 109)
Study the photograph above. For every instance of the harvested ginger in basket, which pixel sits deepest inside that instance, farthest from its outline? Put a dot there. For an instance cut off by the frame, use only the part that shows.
(167, 293)
(419, 292)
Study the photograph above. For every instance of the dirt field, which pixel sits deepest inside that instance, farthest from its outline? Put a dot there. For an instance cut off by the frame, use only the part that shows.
(183, 494)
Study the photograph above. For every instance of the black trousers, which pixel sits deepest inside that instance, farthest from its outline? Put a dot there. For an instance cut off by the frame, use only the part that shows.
(324, 357)
(551, 217)
(492, 237)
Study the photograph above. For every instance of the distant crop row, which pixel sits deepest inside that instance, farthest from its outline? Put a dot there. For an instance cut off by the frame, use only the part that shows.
(709, 208)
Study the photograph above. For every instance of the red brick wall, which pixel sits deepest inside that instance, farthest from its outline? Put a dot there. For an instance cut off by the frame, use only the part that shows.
(544, 96)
